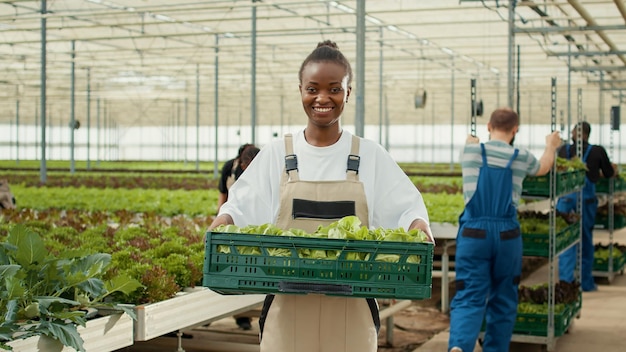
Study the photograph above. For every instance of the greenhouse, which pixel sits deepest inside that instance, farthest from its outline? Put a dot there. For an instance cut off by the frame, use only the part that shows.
(124, 122)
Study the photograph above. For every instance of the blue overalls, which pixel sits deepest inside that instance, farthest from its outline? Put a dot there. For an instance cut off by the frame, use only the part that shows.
(567, 260)
(488, 263)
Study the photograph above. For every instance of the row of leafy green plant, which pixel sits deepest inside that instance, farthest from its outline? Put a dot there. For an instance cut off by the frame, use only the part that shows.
(128, 180)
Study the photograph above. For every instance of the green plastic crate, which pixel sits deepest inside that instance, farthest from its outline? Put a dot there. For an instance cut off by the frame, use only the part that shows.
(602, 221)
(603, 264)
(537, 324)
(235, 273)
(538, 245)
(539, 186)
(602, 186)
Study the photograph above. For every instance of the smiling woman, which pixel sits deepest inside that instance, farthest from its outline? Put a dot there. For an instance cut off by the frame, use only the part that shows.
(311, 179)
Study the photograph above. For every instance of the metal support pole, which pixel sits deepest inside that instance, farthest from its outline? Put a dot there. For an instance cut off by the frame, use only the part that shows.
(511, 49)
(253, 76)
(517, 84)
(98, 130)
(88, 118)
(601, 106)
(432, 147)
(72, 108)
(359, 120)
(17, 131)
(452, 116)
(42, 165)
(473, 102)
(569, 92)
(216, 103)
(186, 129)
(380, 86)
(197, 117)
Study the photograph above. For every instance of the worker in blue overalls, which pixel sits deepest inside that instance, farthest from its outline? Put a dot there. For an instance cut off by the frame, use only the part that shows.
(489, 243)
(598, 165)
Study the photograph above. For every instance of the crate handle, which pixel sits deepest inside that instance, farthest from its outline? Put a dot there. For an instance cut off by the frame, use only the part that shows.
(304, 287)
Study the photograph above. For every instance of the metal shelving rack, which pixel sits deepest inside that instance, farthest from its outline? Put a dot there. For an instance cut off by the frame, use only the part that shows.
(549, 341)
(610, 274)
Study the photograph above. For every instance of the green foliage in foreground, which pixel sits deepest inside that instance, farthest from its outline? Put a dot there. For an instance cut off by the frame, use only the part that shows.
(46, 294)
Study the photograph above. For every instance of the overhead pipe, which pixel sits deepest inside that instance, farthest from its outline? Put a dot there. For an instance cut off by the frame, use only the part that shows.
(621, 8)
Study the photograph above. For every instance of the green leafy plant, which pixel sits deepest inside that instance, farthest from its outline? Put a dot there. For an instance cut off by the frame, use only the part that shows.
(43, 294)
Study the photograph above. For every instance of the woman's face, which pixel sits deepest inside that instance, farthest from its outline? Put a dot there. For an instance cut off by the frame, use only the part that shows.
(324, 90)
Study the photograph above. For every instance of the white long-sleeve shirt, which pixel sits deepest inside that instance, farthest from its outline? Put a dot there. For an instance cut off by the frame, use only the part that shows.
(393, 200)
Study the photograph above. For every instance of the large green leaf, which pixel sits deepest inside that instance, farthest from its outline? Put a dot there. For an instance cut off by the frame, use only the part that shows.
(7, 271)
(5, 249)
(94, 264)
(13, 288)
(50, 304)
(67, 334)
(94, 287)
(10, 315)
(30, 246)
(123, 283)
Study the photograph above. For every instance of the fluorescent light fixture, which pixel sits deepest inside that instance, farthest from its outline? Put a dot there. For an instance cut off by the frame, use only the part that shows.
(341, 7)
(374, 20)
(448, 51)
(163, 18)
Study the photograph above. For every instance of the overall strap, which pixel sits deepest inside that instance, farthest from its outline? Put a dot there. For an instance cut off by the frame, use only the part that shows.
(354, 160)
(587, 151)
(515, 153)
(291, 161)
(483, 154)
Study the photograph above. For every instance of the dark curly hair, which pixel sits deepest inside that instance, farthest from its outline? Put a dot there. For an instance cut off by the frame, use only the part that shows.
(327, 51)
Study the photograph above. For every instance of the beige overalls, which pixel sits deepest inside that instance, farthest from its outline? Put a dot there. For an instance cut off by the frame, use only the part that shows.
(317, 322)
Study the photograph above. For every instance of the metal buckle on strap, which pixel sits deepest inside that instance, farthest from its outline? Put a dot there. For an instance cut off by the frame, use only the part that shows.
(291, 162)
(353, 163)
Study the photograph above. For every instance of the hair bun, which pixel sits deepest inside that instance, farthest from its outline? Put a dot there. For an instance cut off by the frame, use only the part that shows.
(328, 43)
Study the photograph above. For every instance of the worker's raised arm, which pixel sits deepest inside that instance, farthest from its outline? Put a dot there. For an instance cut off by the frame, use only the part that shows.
(553, 142)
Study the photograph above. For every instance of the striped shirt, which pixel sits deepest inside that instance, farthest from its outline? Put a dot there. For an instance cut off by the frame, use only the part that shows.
(498, 155)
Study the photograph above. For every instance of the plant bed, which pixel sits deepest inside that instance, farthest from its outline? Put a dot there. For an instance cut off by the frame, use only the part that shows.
(190, 308)
(103, 334)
